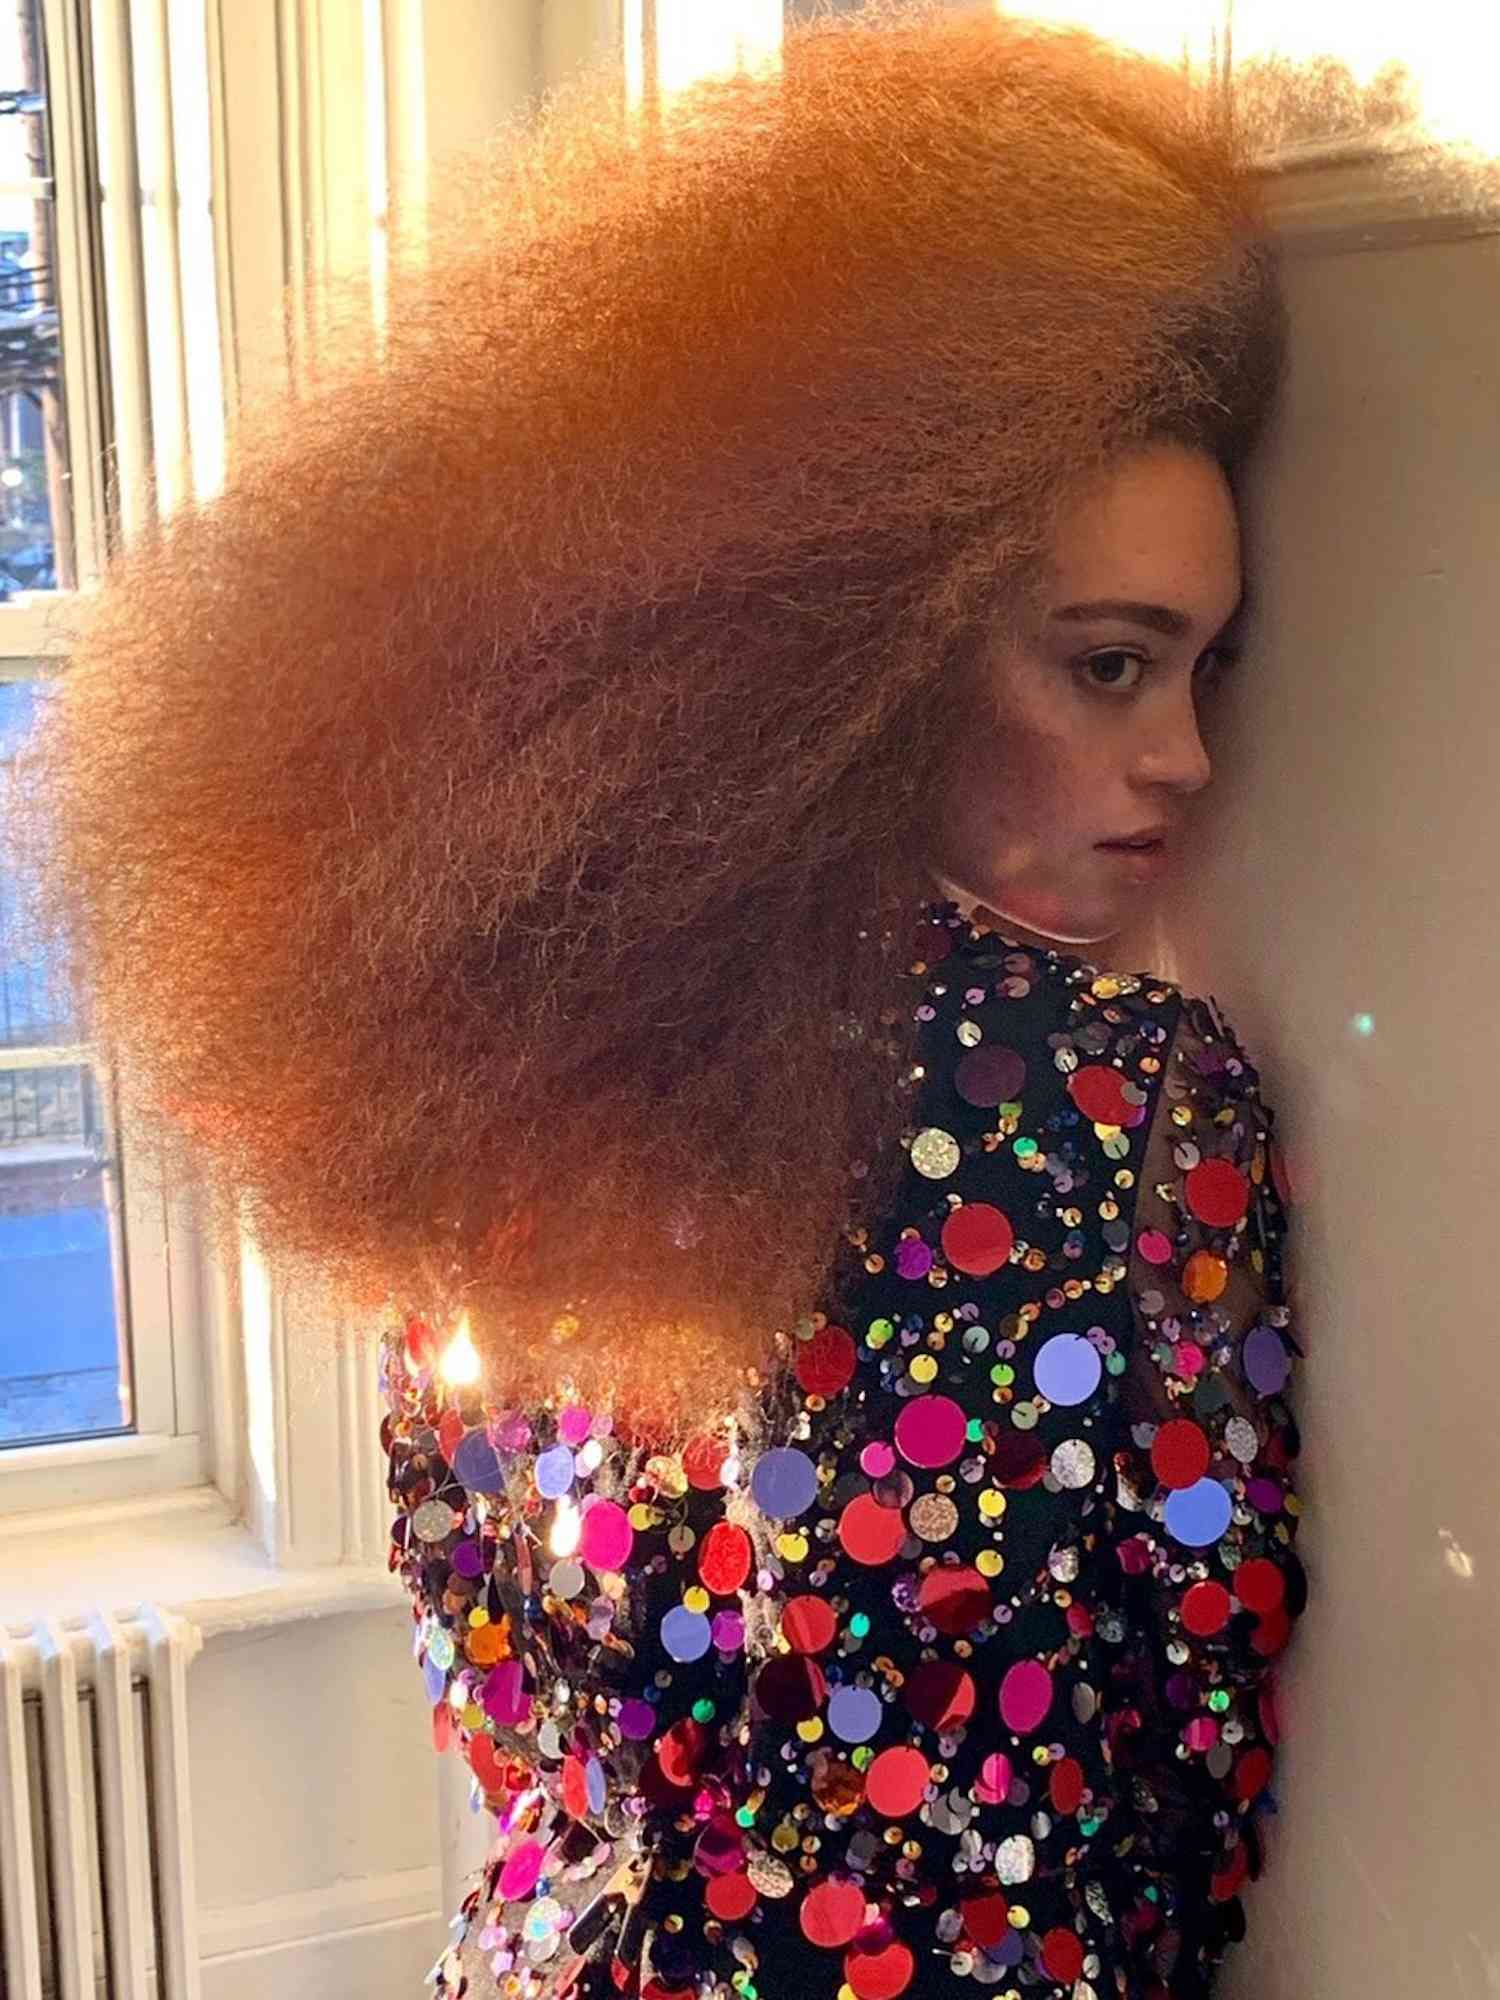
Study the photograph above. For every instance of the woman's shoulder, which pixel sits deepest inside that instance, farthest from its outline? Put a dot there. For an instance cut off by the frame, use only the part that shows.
(1172, 1042)
(1099, 976)
(1063, 981)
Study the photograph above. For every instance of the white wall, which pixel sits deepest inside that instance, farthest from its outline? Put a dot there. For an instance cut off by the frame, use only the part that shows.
(1353, 873)
(315, 1817)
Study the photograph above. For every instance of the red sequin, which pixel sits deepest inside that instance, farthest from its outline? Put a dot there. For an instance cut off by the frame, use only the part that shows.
(1065, 1785)
(986, 1918)
(1259, 1585)
(730, 1897)
(1217, 1193)
(702, 1461)
(832, 1911)
(940, 1694)
(808, 1624)
(1205, 1608)
(1062, 1954)
(955, 1599)
(825, 1364)
(896, 1780)
(869, 1532)
(1252, 1774)
(977, 1238)
(880, 1974)
(1180, 1453)
(724, 1558)
(1098, 1091)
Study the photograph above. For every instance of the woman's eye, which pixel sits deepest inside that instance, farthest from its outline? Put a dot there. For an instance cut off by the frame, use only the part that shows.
(1218, 660)
(1114, 679)
(1114, 664)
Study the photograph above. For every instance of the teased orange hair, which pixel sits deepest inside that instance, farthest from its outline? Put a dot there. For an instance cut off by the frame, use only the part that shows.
(486, 838)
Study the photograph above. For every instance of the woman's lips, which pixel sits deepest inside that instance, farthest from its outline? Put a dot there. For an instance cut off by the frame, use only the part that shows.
(1145, 860)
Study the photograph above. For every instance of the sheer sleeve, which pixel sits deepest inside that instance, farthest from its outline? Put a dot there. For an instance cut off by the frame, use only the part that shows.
(1205, 1510)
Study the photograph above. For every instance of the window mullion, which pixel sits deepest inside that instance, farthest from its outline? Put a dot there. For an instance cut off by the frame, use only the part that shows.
(124, 282)
(78, 302)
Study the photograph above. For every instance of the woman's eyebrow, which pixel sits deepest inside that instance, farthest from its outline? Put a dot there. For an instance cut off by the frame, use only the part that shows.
(1154, 617)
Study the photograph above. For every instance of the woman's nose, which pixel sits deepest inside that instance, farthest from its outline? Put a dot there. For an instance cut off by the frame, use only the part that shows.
(1177, 757)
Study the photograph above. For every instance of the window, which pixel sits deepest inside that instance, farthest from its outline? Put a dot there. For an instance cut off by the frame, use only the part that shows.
(64, 1358)
(100, 1293)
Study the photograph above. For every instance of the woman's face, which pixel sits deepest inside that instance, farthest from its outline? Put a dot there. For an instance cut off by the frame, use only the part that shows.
(1085, 728)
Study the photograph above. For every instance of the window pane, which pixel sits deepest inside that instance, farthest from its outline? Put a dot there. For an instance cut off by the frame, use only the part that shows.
(63, 1370)
(36, 530)
(31, 1015)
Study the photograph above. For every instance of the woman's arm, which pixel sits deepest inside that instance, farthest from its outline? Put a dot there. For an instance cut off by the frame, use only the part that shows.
(1205, 1514)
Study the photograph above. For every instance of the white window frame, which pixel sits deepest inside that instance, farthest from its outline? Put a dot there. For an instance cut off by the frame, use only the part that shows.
(159, 1295)
(169, 1306)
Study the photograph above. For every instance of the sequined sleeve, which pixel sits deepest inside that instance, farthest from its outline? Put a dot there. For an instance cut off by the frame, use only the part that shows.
(597, 1723)
(1205, 1510)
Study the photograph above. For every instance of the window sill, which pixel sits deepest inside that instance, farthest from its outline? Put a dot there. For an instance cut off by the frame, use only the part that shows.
(137, 1469)
(184, 1552)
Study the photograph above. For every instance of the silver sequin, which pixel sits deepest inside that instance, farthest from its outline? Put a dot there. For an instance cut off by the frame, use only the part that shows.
(1015, 1858)
(1073, 1463)
(935, 1153)
(433, 1521)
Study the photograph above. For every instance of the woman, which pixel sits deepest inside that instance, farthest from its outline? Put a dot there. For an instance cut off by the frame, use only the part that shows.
(582, 840)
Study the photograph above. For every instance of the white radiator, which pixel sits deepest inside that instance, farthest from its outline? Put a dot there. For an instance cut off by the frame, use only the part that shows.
(96, 1838)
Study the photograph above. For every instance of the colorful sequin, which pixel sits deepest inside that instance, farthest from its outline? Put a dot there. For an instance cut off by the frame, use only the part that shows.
(949, 1657)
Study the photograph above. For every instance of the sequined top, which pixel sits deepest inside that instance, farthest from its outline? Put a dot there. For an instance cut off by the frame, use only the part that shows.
(964, 1672)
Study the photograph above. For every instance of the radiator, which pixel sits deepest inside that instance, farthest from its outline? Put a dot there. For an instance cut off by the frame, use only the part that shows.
(96, 1839)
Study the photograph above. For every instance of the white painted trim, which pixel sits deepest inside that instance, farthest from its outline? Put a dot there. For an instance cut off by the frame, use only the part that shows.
(159, 1299)
(314, 1475)
(119, 198)
(335, 1591)
(226, 274)
(329, 1911)
(21, 1942)
(1331, 196)
(150, 74)
(78, 303)
(183, 1551)
(223, 1353)
(45, 1055)
(32, 625)
(20, 1460)
(195, 1503)
(140, 1263)
(37, 1480)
